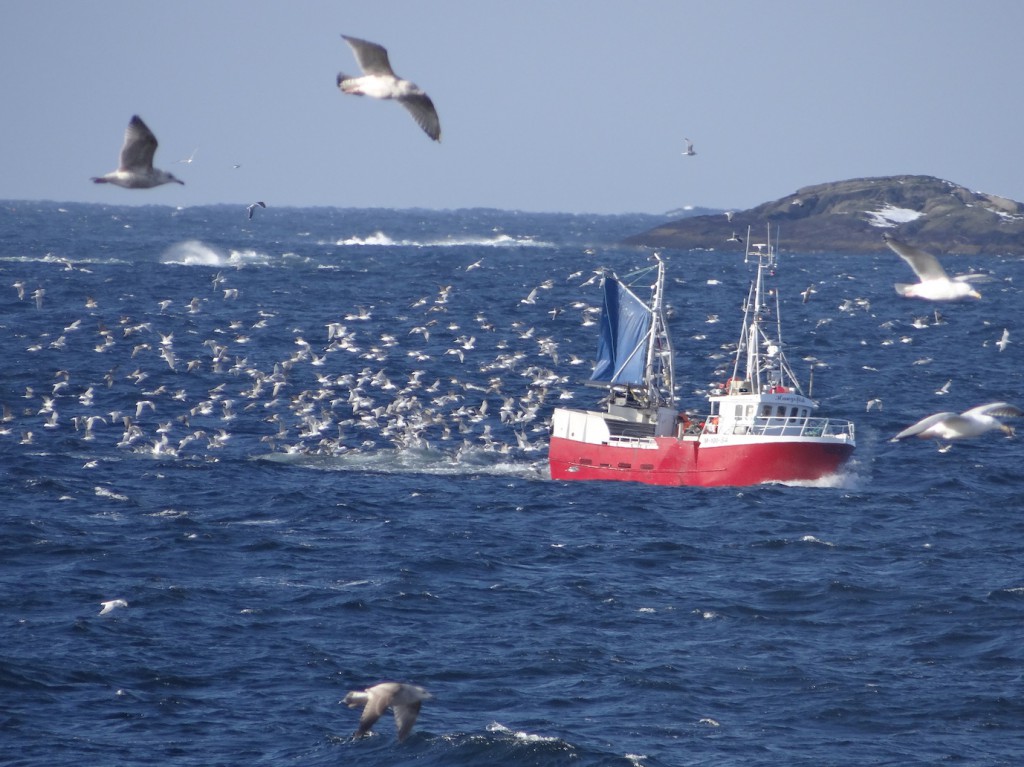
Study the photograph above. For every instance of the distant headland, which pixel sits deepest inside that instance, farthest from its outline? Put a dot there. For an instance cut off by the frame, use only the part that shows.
(850, 217)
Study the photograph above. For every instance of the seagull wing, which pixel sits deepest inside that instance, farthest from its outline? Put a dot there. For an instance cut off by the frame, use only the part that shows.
(422, 110)
(139, 145)
(405, 718)
(1001, 409)
(376, 705)
(922, 426)
(925, 265)
(372, 58)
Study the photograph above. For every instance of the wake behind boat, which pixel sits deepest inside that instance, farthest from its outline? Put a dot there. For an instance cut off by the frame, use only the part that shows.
(760, 426)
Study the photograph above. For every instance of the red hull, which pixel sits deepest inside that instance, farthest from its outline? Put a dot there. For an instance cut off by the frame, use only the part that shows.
(687, 463)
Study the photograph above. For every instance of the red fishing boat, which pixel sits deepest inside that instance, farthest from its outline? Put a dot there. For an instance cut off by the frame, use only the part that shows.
(759, 425)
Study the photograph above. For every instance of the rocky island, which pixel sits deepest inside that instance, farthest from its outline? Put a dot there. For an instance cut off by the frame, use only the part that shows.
(851, 216)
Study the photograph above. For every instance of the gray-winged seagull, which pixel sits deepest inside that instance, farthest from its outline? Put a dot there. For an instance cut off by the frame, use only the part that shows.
(135, 169)
(935, 284)
(403, 699)
(380, 82)
(970, 423)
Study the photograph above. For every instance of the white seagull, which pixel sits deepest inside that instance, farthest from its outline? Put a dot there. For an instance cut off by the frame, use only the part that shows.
(252, 208)
(403, 699)
(135, 169)
(690, 153)
(970, 423)
(380, 82)
(935, 284)
(112, 604)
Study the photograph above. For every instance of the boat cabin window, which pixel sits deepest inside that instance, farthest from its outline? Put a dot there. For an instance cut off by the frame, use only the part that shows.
(803, 412)
(750, 411)
(739, 411)
(780, 411)
(766, 411)
(792, 412)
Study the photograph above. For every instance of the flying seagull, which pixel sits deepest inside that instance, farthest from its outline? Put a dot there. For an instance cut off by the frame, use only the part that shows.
(112, 604)
(135, 169)
(935, 284)
(257, 204)
(403, 699)
(380, 82)
(690, 153)
(970, 423)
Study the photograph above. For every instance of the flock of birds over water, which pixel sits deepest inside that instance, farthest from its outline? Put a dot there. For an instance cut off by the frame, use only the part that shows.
(136, 171)
(934, 284)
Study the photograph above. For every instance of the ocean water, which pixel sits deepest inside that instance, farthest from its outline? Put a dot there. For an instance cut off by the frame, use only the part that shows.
(333, 473)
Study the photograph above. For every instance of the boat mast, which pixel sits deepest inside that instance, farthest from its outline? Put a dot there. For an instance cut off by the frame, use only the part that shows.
(755, 307)
(753, 336)
(659, 371)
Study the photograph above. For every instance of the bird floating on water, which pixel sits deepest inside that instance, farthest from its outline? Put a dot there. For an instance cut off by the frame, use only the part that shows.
(135, 169)
(380, 82)
(970, 423)
(403, 699)
(935, 284)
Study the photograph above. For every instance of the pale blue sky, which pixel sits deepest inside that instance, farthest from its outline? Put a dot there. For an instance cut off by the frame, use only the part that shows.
(575, 105)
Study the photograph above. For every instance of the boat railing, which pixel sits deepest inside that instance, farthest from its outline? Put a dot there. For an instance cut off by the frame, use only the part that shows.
(782, 426)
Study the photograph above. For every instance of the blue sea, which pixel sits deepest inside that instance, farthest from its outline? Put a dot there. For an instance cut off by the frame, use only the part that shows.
(308, 453)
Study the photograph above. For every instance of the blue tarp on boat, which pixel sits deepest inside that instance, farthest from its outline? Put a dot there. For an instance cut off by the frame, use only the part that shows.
(621, 347)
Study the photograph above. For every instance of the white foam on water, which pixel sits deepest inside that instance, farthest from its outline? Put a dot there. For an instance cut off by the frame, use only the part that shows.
(378, 239)
(199, 253)
(193, 253)
(416, 461)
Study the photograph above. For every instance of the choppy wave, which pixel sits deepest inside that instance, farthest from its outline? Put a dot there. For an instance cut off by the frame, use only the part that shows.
(198, 253)
(497, 241)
